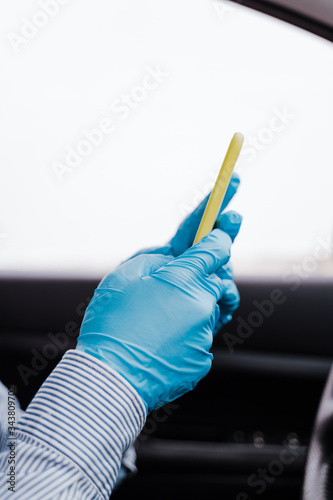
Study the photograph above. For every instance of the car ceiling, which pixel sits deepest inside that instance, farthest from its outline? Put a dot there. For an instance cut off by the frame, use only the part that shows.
(314, 16)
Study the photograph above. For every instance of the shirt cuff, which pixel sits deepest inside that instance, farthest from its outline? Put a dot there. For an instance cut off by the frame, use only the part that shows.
(87, 412)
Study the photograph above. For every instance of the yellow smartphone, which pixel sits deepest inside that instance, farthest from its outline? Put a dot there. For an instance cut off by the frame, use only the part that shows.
(220, 188)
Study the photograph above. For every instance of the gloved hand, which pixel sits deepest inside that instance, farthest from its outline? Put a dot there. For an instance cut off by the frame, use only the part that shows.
(184, 237)
(152, 319)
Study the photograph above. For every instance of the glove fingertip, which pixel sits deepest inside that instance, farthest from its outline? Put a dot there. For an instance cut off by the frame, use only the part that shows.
(235, 179)
(230, 222)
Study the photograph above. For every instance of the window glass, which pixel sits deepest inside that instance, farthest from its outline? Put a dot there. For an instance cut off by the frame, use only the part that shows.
(115, 117)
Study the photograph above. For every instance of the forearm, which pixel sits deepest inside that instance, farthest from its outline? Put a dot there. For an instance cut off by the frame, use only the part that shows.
(74, 433)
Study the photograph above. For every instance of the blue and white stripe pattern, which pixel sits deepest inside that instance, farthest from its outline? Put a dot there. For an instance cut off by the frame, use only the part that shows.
(72, 439)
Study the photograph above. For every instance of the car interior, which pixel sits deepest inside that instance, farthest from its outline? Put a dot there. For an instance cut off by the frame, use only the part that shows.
(245, 431)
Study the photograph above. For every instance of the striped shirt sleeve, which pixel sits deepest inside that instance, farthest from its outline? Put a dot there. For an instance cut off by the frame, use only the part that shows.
(71, 440)
(4, 424)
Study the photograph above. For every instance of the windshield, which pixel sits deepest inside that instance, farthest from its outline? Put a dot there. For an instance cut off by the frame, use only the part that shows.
(115, 118)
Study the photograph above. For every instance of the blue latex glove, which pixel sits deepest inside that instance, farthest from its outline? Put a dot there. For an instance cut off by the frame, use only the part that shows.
(184, 237)
(152, 319)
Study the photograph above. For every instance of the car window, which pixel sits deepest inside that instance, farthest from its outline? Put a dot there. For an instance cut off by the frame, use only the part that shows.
(115, 117)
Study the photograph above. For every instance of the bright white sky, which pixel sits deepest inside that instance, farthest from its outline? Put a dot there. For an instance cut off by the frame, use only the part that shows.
(229, 69)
